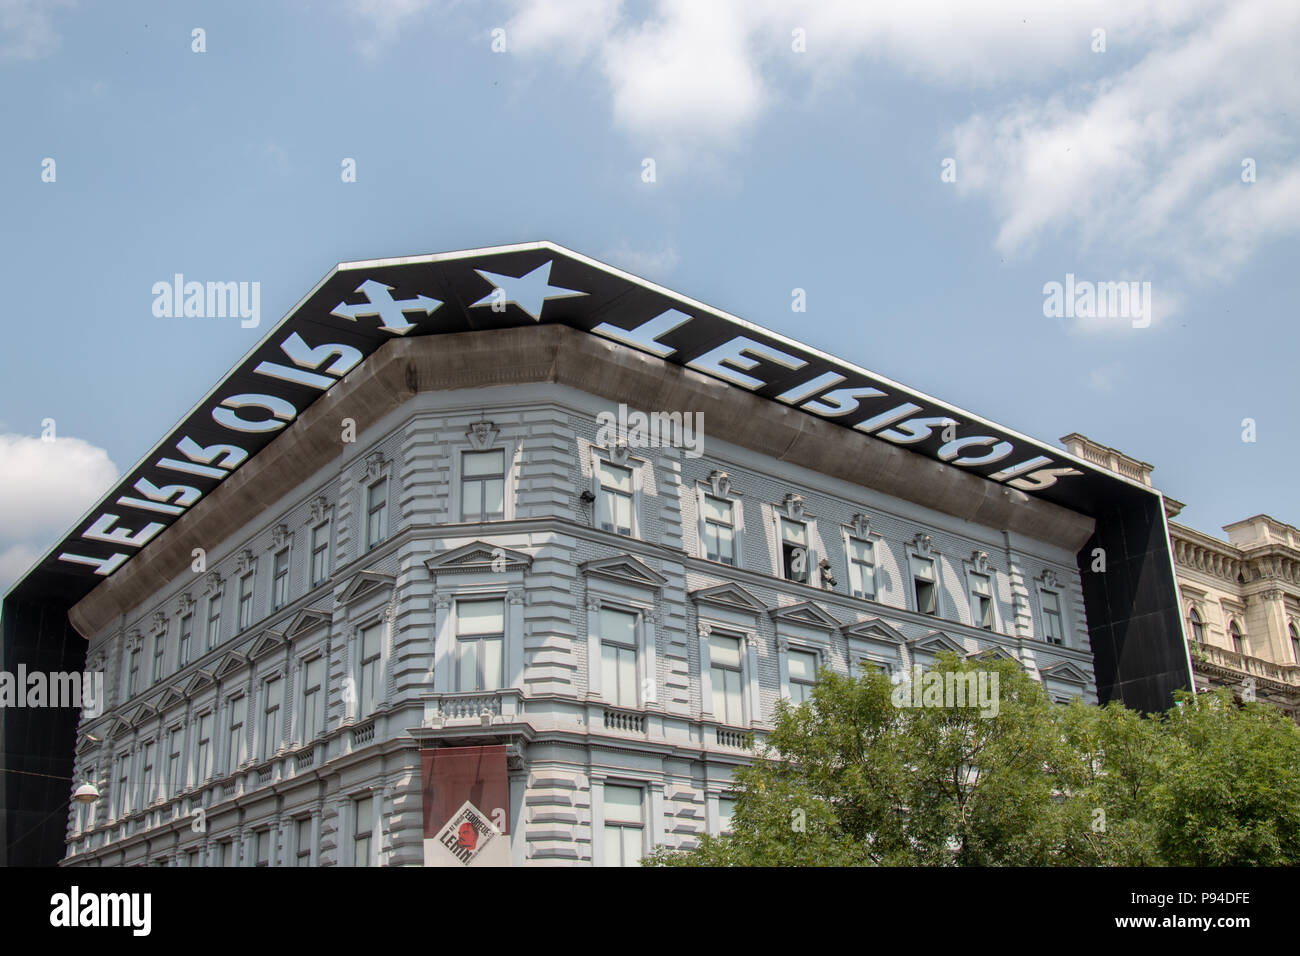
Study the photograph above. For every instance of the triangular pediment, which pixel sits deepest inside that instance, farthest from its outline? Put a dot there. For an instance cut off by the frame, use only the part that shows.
(874, 629)
(994, 653)
(936, 642)
(121, 728)
(268, 642)
(362, 584)
(626, 570)
(306, 621)
(730, 596)
(232, 662)
(170, 697)
(197, 682)
(1066, 671)
(805, 612)
(140, 714)
(479, 556)
(86, 743)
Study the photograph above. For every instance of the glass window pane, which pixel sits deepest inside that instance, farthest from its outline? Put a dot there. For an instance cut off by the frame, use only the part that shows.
(803, 665)
(793, 532)
(923, 569)
(480, 617)
(478, 463)
(627, 677)
(726, 808)
(467, 666)
(622, 804)
(1050, 602)
(492, 663)
(494, 496)
(612, 476)
(618, 626)
(716, 509)
(631, 846)
(724, 650)
(613, 846)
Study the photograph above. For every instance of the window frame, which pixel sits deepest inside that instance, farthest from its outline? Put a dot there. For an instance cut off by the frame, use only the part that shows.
(482, 480)
(851, 562)
(623, 827)
(605, 640)
(377, 504)
(280, 579)
(320, 545)
(601, 491)
(459, 638)
(270, 737)
(915, 562)
(1044, 615)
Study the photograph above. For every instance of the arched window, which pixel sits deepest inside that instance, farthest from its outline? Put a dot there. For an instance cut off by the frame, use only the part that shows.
(1198, 627)
(1295, 642)
(1234, 632)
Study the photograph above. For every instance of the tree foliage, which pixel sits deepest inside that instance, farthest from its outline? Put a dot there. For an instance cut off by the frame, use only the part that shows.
(859, 776)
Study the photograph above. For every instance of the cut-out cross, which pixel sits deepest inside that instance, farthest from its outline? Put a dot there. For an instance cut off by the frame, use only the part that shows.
(381, 305)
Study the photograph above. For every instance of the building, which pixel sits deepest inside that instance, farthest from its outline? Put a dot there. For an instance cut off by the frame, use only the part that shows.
(511, 528)
(1240, 597)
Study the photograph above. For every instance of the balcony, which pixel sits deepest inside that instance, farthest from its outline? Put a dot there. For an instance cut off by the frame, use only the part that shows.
(482, 707)
(624, 721)
(1244, 664)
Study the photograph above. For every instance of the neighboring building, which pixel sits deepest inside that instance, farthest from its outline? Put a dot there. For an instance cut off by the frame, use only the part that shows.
(450, 566)
(1240, 597)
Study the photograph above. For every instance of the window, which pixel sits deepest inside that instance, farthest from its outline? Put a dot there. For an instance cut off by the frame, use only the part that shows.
(159, 648)
(376, 513)
(273, 692)
(483, 485)
(245, 616)
(262, 839)
(311, 698)
(923, 586)
(1198, 628)
(214, 620)
(121, 799)
(192, 859)
(224, 854)
(1295, 642)
(236, 751)
(618, 657)
(981, 601)
(862, 569)
(303, 828)
(371, 649)
(802, 667)
(175, 782)
(480, 641)
(320, 553)
(724, 669)
(143, 790)
(363, 813)
(1053, 629)
(133, 672)
(203, 751)
(719, 530)
(186, 638)
(624, 826)
(726, 809)
(794, 551)
(1234, 633)
(614, 506)
(280, 580)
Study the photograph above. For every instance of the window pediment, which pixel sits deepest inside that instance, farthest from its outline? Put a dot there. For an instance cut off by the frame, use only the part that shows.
(479, 556)
(363, 584)
(624, 569)
(936, 642)
(807, 613)
(874, 629)
(731, 596)
(1065, 671)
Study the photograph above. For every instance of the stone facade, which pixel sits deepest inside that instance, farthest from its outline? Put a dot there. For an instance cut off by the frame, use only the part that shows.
(293, 737)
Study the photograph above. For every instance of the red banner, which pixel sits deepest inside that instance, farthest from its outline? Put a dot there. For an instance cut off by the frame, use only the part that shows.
(451, 776)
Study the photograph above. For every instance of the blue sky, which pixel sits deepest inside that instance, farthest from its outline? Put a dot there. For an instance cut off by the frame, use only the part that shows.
(775, 169)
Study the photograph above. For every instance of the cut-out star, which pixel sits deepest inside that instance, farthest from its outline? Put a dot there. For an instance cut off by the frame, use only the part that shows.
(529, 292)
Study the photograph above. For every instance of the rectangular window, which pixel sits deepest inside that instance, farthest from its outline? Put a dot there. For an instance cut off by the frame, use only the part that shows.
(214, 621)
(981, 601)
(480, 642)
(246, 601)
(719, 530)
(794, 551)
(725, 670)
(862, 569)
(203, 751)
(133, 673)
(1053, 629)
(192, 859)
(186, 639)
(376, 513)
(371, 651)
(364, 815)
(262, 839)
(175, 779)
(320, 553)
(618, 657)
(312, 699)
(303, 828)
(144, 789)
(924, 588)
(624, 826)
(271, 718)
(614, 506)
(726, 808)
(483, 485)
(225, 855)
(280, 580)
(122, 797)
(159, 649)
(803, 674)
(236, 751)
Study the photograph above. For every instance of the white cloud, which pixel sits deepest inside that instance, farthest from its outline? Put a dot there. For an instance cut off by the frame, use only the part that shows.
(26, 30)
(44, 487)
